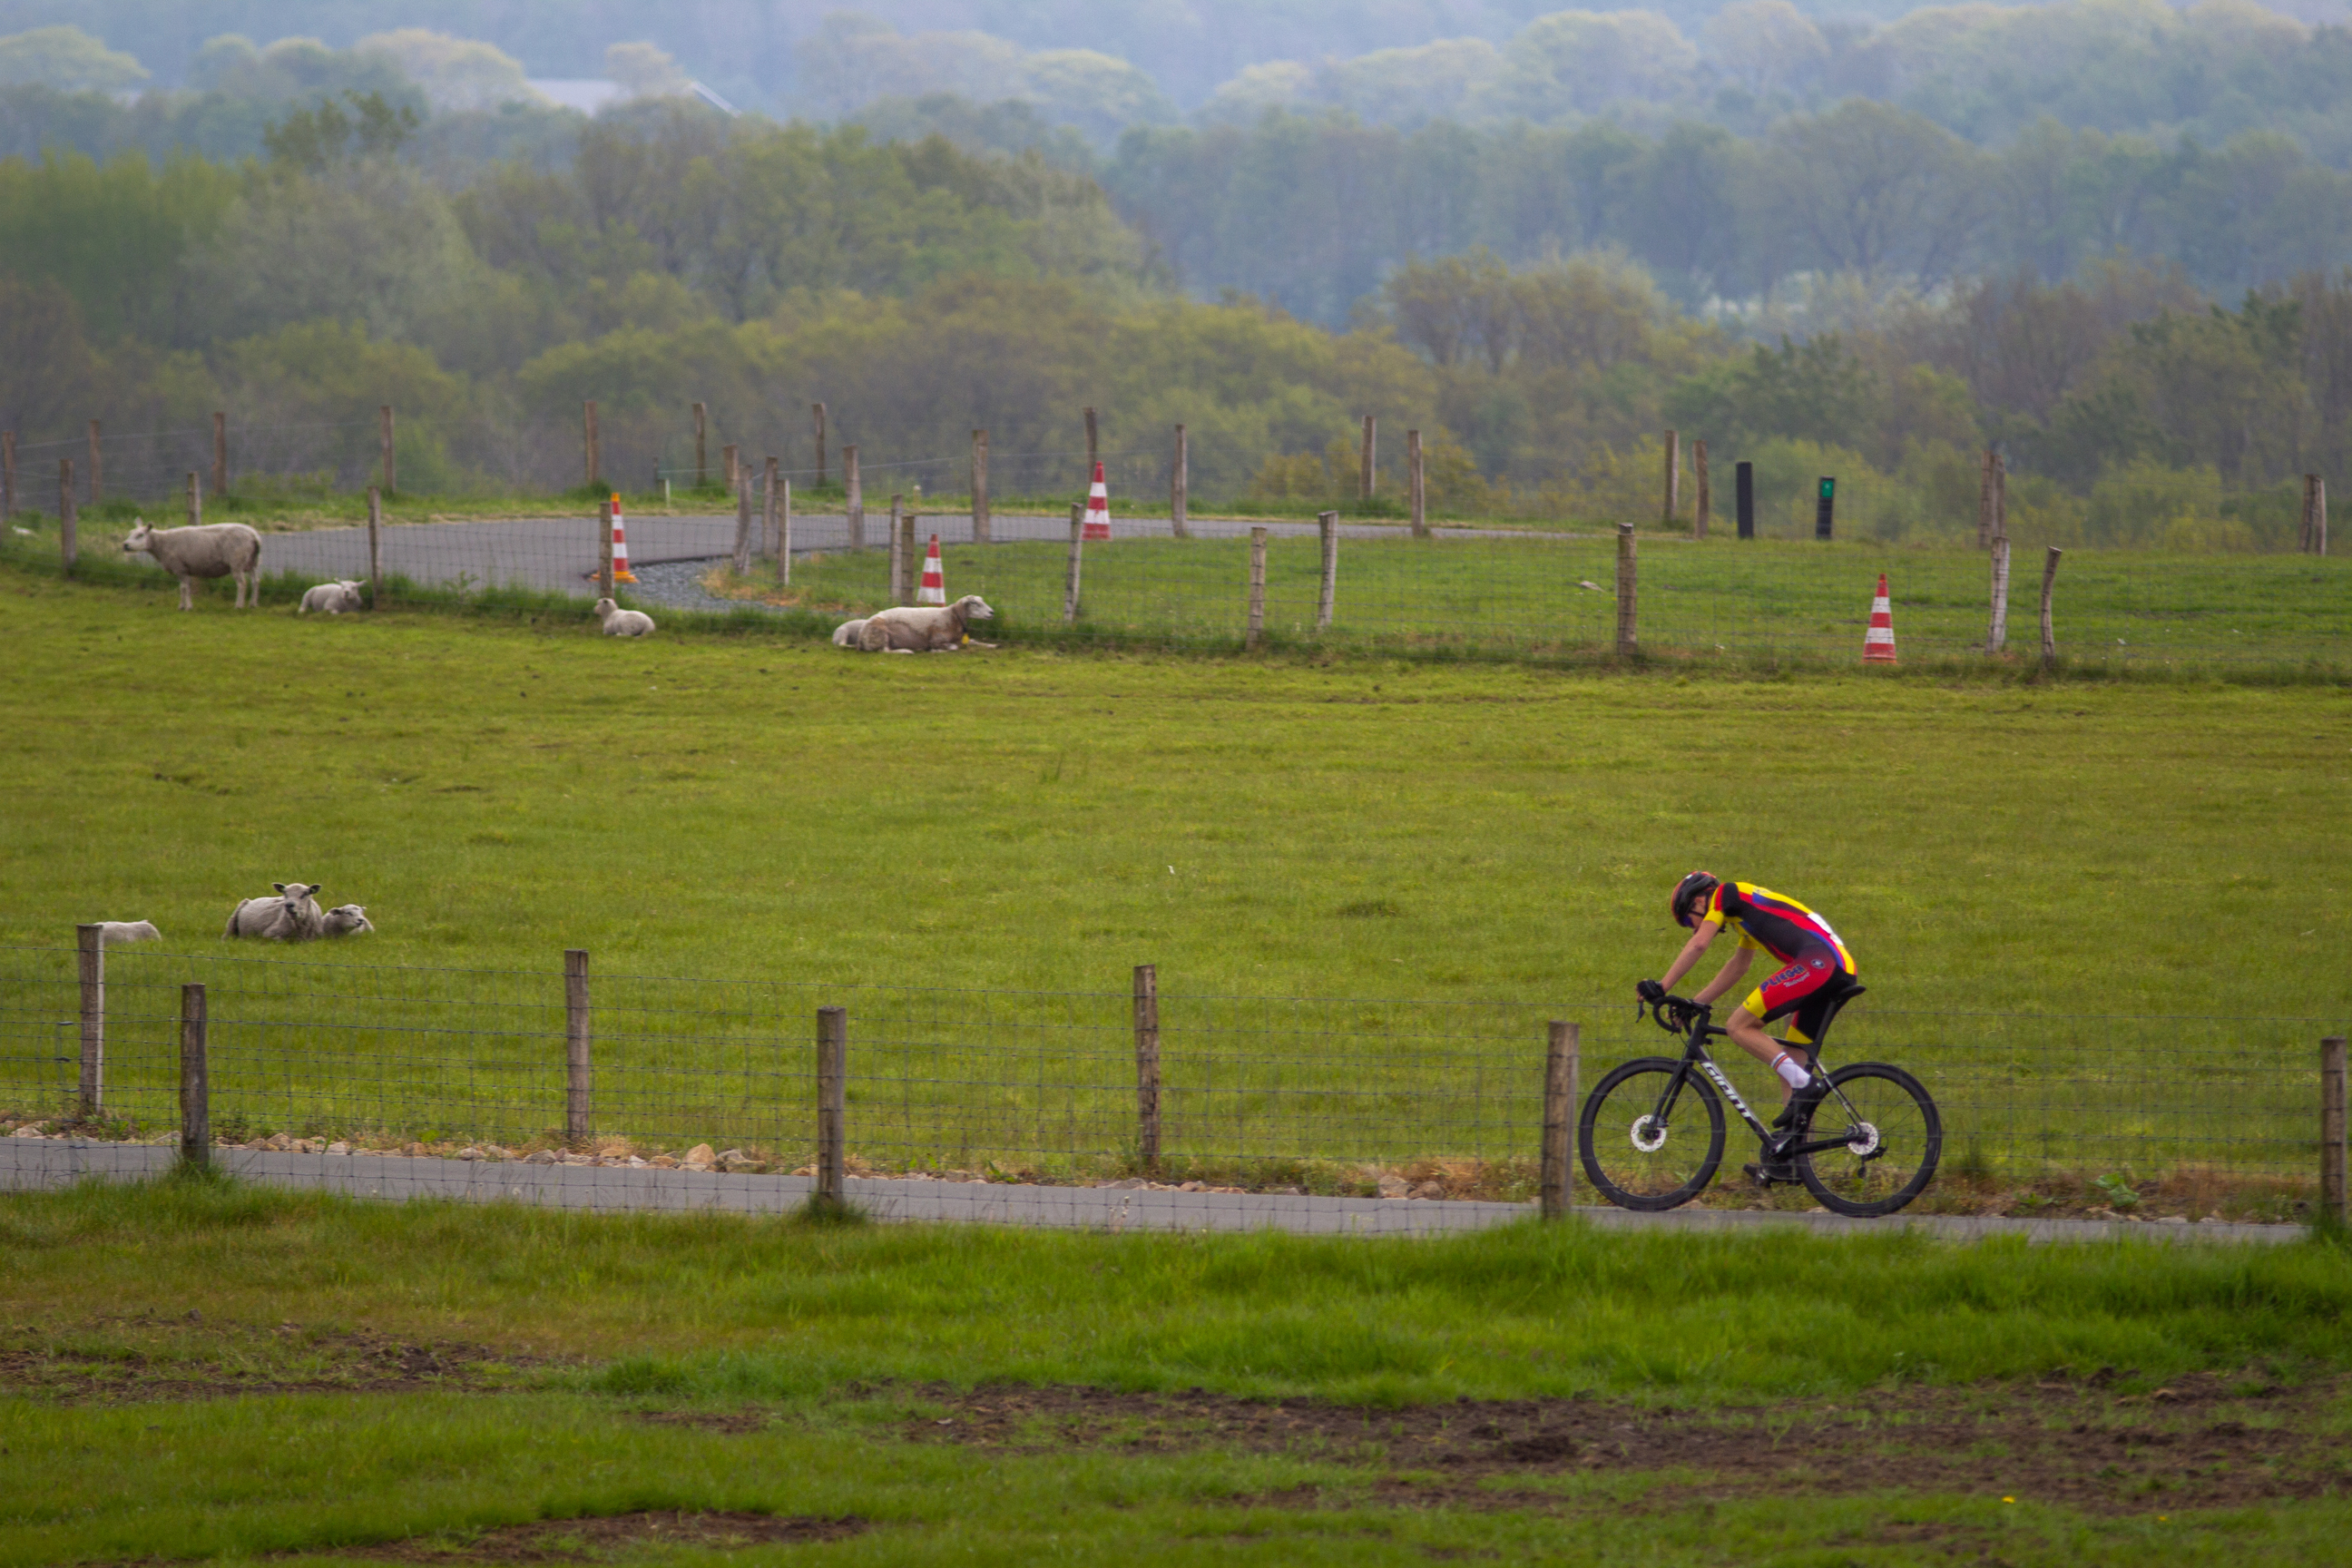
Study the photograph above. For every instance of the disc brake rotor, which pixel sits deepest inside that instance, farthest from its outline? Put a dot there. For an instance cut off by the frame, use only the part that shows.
(1862, 1140)
(1649, 1134)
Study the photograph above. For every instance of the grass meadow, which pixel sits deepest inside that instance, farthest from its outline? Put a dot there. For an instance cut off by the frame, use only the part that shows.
(192, 1370)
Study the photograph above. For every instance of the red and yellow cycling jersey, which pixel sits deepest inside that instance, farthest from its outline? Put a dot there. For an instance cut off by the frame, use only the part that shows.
(1773, 923)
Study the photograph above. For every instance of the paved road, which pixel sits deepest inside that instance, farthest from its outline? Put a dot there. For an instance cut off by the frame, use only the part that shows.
(31, 1164)
(560, 554)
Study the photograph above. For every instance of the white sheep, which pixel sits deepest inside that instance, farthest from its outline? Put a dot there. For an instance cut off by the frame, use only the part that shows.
(113, 933)
(621, 623)
(926, 629)
(333, 598)
(345, 920)
(213, 549)
(292, 916)
(846, 634)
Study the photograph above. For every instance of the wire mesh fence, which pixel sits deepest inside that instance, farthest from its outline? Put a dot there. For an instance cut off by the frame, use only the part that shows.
(426, 1070)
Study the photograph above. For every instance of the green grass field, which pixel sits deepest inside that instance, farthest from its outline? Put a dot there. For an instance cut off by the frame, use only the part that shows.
(2091, 911)
(1719, 602)
(197, 1371)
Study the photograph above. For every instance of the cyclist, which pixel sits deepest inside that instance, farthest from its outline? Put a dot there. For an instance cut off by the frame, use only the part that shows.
(1815, 972)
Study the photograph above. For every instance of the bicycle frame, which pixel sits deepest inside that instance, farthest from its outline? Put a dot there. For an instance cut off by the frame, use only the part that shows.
(1694, 1056)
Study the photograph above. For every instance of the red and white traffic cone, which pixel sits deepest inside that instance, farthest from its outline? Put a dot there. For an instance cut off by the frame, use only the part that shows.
(1097, 509)
(1878, 642)
(620, 573)
(934, 590)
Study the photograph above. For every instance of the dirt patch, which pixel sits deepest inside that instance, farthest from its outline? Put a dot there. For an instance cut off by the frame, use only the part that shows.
(734, 1426)
(2205, 1442)
(613, 1535)
(141, 1360)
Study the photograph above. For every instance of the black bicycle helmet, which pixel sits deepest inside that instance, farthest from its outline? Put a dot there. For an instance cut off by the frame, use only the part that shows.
(1689, 893)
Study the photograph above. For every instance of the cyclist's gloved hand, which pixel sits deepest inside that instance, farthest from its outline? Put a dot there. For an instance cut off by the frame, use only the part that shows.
(1650, 991)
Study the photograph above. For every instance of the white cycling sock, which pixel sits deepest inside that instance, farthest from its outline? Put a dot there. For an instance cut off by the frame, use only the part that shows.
(1792, 1074)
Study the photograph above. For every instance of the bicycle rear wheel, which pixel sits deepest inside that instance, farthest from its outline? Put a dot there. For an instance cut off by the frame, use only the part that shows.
(1635, 1160)
(1894, 1139)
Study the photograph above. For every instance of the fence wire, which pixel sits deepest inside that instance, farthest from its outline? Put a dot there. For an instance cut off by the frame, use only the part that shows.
(387, 1079)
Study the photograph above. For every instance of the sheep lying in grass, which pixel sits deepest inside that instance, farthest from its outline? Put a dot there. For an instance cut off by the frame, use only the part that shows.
(292, 916)
(345, 920)
(113, 933)
(214, 550)
(621, 623)
(928, 629)
(846, 634)
(333, 598)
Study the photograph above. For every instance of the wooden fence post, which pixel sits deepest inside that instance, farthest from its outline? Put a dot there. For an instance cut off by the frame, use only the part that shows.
(832, 1105)
(1146, 1064)
(1628, 621)
(1093, 454)
(375, 546)
(67, 546)
(2049, 633)
(1368, 459)
(899, 594)
(784, 538)
(196, 500)
(701, 451)
(383, 419)
(2331, 1129)
(1997, 631)
(2314, 540)
(854, 493)
(1077, 555)
(1416, 485)
(1180, 483)
(196, 1082)
(220, 453)
(89, 959)
(579, 1065)
(97, 467)
(730, 465)
(739, 478)
(1256, 632)
(980, 519)
(1329, 524)
(1673, 491)
(910, 560)
(593, 457)
(770, 474)
(1555, 1182)
(1700, 518)
(7, 475)
(605, 551)
(816, 412)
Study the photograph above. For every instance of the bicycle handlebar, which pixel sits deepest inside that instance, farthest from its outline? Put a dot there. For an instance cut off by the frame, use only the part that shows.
(1675, 1015)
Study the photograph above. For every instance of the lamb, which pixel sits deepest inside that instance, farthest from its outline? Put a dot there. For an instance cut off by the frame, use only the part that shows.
(846, 634)
(932, 629)
(292, 916)
(345, 920)
(213, 549)
(621, 623)
(334, 598)
(112, 933)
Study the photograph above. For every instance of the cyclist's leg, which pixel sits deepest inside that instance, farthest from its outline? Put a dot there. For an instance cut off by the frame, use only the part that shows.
(1802, 988)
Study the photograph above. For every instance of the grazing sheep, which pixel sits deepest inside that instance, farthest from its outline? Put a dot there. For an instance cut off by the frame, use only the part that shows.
(214, 550)
(292, 916)
(333, 598)
(112, 933)
(846, 634)
(345, 920)
(621, 623)
(909, 629)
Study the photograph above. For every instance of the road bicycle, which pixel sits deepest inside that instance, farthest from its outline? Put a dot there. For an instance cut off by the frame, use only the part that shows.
(1651, 1134)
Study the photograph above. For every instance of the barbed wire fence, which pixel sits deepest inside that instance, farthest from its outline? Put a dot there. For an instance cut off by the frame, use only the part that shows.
(568, 1087)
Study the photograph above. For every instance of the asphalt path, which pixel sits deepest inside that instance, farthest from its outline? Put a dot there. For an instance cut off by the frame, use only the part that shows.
(50, 1164)
(560, 554)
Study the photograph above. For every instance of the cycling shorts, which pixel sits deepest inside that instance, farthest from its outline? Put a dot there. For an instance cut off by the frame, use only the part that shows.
(1803, 993)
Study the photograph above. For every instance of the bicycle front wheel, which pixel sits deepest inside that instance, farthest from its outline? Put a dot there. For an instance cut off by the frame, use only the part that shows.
(1893, 1139)
(1641, 1152)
